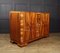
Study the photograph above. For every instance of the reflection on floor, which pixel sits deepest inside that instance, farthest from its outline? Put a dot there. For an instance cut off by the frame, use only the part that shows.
(50, 44)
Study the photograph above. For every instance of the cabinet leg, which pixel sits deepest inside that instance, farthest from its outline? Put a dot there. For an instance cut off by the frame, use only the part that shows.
(12, 41)
(22, 45)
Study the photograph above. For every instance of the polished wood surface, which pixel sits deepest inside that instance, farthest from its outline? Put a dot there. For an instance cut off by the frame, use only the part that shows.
(28, 26)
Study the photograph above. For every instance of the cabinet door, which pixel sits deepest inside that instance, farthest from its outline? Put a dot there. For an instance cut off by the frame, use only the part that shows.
(46, 23)
(38, 25)
(33, 25)
(27, 26)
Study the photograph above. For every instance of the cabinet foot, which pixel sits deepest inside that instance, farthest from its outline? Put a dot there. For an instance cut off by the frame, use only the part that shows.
(22, 45)
(12, 41)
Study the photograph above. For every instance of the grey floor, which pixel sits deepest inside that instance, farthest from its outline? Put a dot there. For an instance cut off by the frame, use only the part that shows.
(50, 44)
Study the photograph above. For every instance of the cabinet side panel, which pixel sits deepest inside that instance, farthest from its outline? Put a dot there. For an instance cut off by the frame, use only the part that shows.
(13, 17)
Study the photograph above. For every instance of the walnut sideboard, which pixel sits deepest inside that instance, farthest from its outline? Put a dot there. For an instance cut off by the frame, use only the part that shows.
(26, 27)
